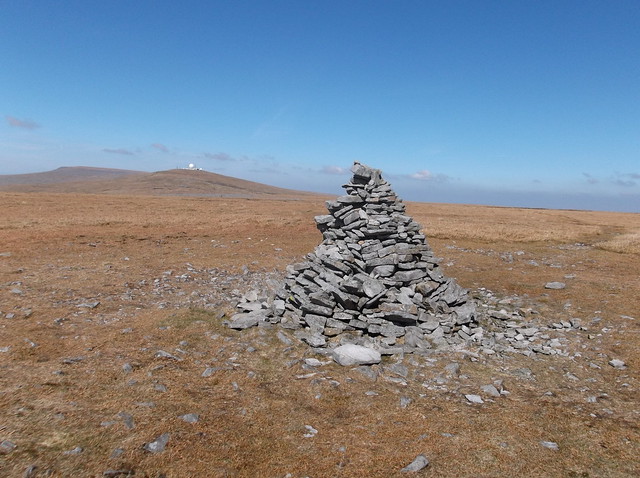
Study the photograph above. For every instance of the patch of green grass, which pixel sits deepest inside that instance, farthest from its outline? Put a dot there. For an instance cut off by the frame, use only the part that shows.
(195, 316)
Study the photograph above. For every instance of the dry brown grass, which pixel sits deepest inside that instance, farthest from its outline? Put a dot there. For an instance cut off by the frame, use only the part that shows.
(67, 249)
(628, 243)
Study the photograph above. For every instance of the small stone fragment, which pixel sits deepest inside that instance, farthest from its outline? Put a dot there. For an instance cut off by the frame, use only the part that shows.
(89, 305)
(166, 355)
(312, 362)
(311, 432)
(550, 445)
(617, 363)
(76, 451)
(474, 398)
(7, 447)
(555, 285)
(158, 445)
(418, 464)
(190, 417)
(350, 354)
(490, 390)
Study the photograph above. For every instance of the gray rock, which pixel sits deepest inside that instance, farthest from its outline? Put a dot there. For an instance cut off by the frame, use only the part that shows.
(550, 444)
(372, 287)
(418, 464)
(76, 451)
(313, 338)
(30, 472)
(127, 419)
(7, 447)
(89, 305)
(190, 418)
(311, 432)
(555, 285)
(312, 362)
(452, 369)
(246, 320)
(166, 355)
(283, 338)
(158, 445)
(351, 354)
(474, 398)
(617, 363)
(490, 390)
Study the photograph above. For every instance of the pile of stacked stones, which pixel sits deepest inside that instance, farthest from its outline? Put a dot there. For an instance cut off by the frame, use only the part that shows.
(373, 278)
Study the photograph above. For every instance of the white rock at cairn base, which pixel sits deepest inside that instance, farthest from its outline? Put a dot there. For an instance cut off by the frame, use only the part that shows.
(350, 354)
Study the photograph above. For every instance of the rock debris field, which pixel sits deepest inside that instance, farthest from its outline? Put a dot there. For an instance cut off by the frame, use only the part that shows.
(375, 283)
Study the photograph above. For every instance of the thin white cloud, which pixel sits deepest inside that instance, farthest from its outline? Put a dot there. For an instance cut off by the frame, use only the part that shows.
(426, 175)
(590, 179)
(626, 183)
(160, 147)
(220, 156)
(21, 123)
(122, 151)
(337, 170)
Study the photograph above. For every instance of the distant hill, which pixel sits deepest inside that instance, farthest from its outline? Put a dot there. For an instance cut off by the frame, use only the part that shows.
(174, 182)
(65, 174)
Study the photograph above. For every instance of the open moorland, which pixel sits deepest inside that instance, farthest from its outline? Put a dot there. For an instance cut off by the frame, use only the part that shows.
(115, 361)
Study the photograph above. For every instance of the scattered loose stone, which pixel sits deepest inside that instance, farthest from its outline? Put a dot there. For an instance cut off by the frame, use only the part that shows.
(158, 445)
(118, 473)
(311, 432)
(30, 472)
(452, 369)
(127, 419)
(617, 363)
(490, 390)
(166, 355)
(76, 451)
(246, 320)
(313, 362)
(117, 452)
(550, 444)
(418, 464)
(474, 398)
(283, 338)
(351, 354)
(405, 402)
(7, 447)
(89, 305)
(555, 285)
(190, 417)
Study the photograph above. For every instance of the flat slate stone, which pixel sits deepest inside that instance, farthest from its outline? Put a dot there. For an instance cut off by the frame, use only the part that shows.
(351, 354)
(158, 445)
(245, 321)
(418, 464)
(555, 285)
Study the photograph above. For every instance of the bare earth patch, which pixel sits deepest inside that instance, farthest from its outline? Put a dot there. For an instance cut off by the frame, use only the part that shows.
(111, 310)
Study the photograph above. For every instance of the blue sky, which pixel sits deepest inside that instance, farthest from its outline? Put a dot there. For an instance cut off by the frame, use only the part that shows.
(516, 103)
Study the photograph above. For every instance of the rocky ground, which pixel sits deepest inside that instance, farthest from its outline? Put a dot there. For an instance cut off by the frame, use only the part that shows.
(116, 362)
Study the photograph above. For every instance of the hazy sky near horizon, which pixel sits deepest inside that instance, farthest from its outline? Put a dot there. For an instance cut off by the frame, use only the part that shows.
(516, 103)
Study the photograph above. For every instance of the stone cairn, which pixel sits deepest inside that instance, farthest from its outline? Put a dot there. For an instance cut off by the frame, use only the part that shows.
(372, 281)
